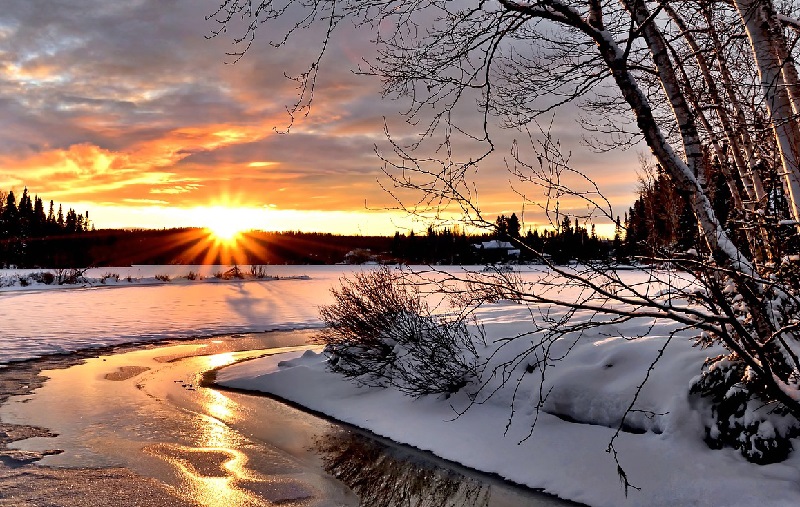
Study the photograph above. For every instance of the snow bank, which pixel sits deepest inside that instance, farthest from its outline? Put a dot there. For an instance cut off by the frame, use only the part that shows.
(565, 453)
(12, 280)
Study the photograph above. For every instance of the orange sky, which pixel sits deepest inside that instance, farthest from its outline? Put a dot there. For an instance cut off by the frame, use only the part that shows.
(126, 110)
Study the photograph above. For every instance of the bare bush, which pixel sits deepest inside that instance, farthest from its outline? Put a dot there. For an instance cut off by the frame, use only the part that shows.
(109, 276)
(45, 277)
(233, 273)
(381, 332)
(70, 276)
(162, 278)
(258, 271)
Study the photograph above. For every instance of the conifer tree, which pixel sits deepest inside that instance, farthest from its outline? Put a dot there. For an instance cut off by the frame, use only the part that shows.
(513, 226)
(39, 218)
(25, 214)
(10, 217)
(71, 223)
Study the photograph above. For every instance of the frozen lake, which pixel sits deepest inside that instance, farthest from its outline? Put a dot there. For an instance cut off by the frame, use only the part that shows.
(41, 319)
(44, 319)
(590, 389)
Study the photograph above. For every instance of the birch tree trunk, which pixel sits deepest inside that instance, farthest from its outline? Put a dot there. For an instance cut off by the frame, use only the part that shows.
(776, 95)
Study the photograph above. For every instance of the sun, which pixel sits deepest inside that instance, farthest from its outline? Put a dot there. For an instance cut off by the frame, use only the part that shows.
(225, 232)
(226, 225)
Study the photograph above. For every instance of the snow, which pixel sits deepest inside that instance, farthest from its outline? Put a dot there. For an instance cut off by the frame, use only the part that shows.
(42, 319)
(494, 244)
(663, 452)
(565, 453)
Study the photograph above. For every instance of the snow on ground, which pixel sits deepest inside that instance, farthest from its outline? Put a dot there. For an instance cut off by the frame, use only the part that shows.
(42, 319)
(667, 459)
(39, 319)
(566, 453)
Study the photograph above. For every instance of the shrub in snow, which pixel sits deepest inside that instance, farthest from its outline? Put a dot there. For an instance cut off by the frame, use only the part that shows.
(70, 276)
(750, 396)
(232, 273)
(258, 271)
(45, 277)
(738, 416)
(109, 276)
(381, 332)
(741, 410)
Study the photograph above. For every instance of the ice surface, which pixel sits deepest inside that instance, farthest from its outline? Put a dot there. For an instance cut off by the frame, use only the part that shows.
(40, 319)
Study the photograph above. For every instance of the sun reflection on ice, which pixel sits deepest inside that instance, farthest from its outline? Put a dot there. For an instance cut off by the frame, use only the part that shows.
(218, 406)
(215, 433)
(209, 474)
(218, 360)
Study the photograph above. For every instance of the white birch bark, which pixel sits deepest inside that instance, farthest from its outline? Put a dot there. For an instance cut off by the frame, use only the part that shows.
(757, 236)
(776, 96)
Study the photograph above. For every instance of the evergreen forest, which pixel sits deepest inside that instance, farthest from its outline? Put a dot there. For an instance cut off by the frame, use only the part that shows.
(659, 223)
(24, 225)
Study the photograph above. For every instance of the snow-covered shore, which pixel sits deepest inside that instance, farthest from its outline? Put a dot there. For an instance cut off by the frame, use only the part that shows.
(662, 451)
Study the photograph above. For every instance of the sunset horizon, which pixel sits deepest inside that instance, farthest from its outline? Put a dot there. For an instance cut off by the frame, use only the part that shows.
(389, 253)
(160, 125)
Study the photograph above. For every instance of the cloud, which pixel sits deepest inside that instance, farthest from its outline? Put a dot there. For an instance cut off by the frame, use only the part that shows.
(129, 103)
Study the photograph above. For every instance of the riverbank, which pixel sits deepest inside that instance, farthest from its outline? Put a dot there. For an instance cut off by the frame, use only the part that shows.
(562, 448)
(134, 426)
(24, 484)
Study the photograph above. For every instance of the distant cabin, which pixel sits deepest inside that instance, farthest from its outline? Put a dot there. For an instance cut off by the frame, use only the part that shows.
(360, 256)
(496, 251)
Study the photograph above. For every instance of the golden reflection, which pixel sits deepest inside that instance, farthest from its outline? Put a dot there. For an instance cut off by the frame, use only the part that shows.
(218, 360)
(389, 476)
(210, 475)
(215, 433)
(219, 405)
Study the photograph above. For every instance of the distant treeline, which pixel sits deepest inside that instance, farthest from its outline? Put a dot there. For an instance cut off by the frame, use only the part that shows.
(660, 223)
(23, 223)
(571, 241)
(31, 237)
(110, 247)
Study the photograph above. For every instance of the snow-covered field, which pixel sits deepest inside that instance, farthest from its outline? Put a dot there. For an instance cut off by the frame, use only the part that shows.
(566, 454)
(41, 319)
(663, 454)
